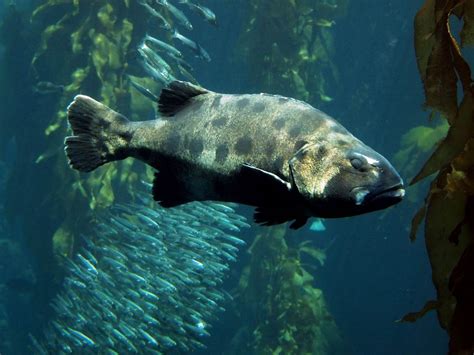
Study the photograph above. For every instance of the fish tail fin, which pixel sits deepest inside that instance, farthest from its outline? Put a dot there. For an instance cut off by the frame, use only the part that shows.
(100, 135)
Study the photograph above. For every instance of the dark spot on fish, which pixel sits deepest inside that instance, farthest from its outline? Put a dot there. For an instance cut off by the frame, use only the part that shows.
(242, 103)
(294, 131)
(172, 142)
(258, 107)
(341, 142)
(221, 153)
(278, 163)
(299, 144)
(196, 105)
(196, 147)
(322, 151)
(243, 146)
(279, 123)
(282, 100)
(270, 148)
(216, 102)
(219, 122)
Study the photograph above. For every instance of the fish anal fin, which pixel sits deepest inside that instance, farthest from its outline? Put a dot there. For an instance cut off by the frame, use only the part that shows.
(167, 190)
(176, 96)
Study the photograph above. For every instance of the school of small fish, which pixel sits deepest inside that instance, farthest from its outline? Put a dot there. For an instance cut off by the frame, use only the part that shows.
(146, 282)
(163, 61)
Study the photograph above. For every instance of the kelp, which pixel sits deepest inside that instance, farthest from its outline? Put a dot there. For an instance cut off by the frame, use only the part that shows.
(415, 146)
(292, 41)
(289, 315)
(87, 50)
(448, 209)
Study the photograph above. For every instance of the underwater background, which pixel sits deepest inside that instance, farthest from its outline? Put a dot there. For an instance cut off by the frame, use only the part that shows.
(88, 264)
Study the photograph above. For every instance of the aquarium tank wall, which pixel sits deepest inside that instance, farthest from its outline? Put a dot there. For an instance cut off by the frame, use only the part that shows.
(170, 257)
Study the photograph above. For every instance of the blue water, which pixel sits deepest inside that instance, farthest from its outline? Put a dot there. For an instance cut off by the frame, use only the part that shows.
(373, 274)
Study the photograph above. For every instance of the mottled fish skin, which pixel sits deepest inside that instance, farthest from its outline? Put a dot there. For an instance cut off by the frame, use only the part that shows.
(216, 133)
(281, 155)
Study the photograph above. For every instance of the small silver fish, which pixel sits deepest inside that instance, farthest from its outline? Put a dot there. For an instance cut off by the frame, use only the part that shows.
(165, 24)
(177, 13)
(47, 87)
(198, 50)
(206, 13)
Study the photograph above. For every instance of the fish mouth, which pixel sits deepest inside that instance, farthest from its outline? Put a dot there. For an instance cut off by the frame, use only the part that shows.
(388, 196)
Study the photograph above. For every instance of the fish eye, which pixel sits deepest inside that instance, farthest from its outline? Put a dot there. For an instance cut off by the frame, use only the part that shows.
(356, 163)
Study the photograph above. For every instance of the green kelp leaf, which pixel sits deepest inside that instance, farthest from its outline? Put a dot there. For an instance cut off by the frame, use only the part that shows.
(106, 17)
(106, 195)
(425, 138)
(325, 98)
(63, 242)
(52, 128)
(454, 142)
(49, 153)
(317, 254)
(126, 34)
(48, 4)
(77, 36)
(414, 316)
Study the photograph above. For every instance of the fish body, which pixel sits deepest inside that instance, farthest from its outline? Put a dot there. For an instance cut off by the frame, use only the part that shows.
(160, 45)
(47, 87)
(177, 13)
(206, 13)
(165, 24)
(281, 155)
(198, 50)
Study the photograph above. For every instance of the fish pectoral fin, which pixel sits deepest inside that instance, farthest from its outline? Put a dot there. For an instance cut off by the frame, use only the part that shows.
(273, 197)
(269, 216)
(176, 96)
(168, 191)
(265, 180)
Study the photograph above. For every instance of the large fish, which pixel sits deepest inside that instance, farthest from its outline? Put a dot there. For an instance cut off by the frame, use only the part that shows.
(281, 155)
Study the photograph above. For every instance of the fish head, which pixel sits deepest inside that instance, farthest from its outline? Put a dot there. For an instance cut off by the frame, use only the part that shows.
(347, 180)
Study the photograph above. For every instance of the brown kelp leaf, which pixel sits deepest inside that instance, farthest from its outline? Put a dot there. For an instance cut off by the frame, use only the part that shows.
(462, 67)
(454, 143)
(416, 221)
(443, 214)
(414, 316)
(467, 32)
(433, 47)
(424, 40)
(461, 284)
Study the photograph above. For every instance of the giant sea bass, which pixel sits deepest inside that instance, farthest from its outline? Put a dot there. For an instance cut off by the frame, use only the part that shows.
(281, 155)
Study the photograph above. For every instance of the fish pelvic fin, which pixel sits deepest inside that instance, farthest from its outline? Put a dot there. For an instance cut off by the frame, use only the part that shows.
(176, 96)
(100, 134)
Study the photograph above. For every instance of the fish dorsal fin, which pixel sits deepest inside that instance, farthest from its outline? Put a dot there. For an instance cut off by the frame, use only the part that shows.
(176, 96)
